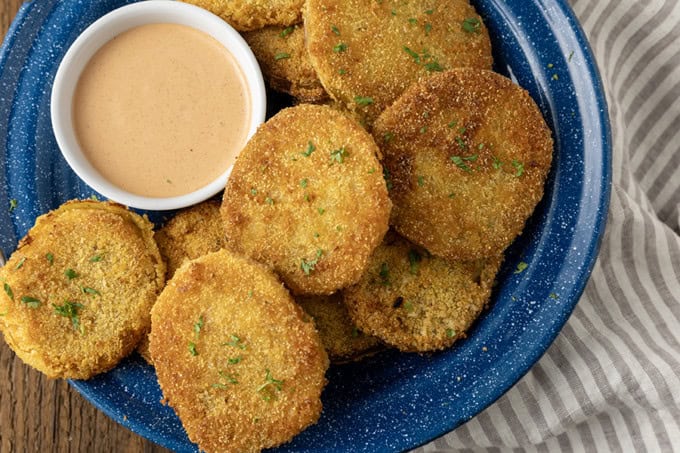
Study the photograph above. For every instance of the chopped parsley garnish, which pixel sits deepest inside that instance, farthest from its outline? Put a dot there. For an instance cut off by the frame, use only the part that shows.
(355, 332)
(269, 200)
(192, 349)
(253, 191)
(310, 149)
(30, 302)
(308, 266)
(450, 333)
(96, 258)
(460, 163)
(452, 195)
(412, 20)
(555, 77)
(198, 325)
(421, 181)
(234, 360)
(553, 296)
(452, 124)
(423, 129)
(342, 71)
(269, 382)
(281, 56)
(429, 11)
(384, 274)
(414, 259)
(335, 30)
(424, 59)
(339, 155)
(235, 342)
(286, 31)
(497, 164)
(8, 290)
(70, 274)
(340, 47)
(228, 378)
(304, 182)
(519, 167)
(49, 257)
(521, 266)
(428, 28)
(13, 203)
(571, 54)
(388, 179)
(321, 211)
(472, 25)
(363, 100)
(388, 136)
(92, 291)
(69, 310)
(20, 263)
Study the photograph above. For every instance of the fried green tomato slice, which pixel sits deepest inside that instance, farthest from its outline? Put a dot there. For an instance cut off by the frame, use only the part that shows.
(245, 15)
(307, 197)
(79, 288)
(285, 62)
(191, 233)
(237, 359)
(417, 302)
(366, 53)
(466, 153)
(341, 338)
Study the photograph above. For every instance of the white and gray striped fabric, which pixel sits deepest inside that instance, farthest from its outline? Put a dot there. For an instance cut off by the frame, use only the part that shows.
(611, 380)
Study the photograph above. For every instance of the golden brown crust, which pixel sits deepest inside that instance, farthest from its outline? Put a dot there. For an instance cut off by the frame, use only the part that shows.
(285, 62)
(246, 15)
(192, 233)
(418, 302)
(342, 340)
(467, 152)
(366, 49)
(79, 289)
(236, 358)
(307, 197)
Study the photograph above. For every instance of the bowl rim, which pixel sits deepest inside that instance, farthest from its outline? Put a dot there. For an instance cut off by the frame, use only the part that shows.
(101, 32)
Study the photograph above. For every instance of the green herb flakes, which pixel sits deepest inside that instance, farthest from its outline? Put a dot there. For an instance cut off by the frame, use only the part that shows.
(304, 182)
(253, 191)
(96, 258)
(340, 47)
(335, 30)
(286, 31)
(521, 267)
(20, 263)
(192, 348)
(49, 257)
(198, 325)
(472, 25)
(450, 333)
(281, 56)
(234, 360)
(460, 163)
(13, 203)
(421, 181)
(388, 137)
(70, 274)
(308, 266)
(384, 274)
(269, 383)
(519, 168)
(423, 129)
(363, 100)
(269, 200)
(414, 259)
(235, 342)
(69, 310)
(91, 291)
(310, 149)
(342, 71)
(30, 302)
(428, 28)
(8, 290)
(339, 155)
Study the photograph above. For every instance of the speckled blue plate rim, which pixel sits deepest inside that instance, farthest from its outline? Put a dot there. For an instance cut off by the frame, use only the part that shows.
(393, 401)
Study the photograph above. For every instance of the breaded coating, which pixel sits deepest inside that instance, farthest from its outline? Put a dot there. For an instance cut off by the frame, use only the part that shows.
(285, 62)
(237, 359)
(307, 197)
(466, 154)
(417, 302)
(191, 233)
(79, 288)
(367, 52)
(342, 340)
(245, 15)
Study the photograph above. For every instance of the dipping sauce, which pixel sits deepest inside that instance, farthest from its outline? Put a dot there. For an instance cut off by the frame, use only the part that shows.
(161, 110)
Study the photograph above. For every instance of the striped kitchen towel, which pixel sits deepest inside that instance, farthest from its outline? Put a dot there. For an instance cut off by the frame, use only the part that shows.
(611, 380)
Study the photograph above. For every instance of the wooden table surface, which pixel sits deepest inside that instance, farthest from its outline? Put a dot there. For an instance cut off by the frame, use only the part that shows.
(44, 415)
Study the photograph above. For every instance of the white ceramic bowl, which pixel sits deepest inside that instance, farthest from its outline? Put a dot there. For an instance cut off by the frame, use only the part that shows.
(101, 32)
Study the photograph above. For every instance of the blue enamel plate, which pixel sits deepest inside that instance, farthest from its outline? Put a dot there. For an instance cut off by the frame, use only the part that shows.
(392, 401)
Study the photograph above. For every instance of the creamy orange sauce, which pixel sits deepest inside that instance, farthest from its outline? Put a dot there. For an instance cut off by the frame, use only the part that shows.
(161, 110)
